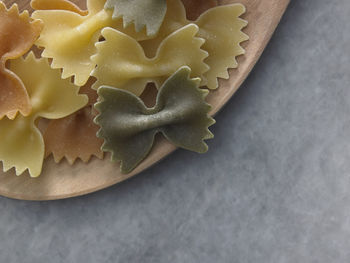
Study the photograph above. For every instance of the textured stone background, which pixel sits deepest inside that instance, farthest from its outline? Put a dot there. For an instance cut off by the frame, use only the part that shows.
(275, 186)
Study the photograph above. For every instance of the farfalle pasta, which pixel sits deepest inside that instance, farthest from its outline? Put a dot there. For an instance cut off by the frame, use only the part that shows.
(220, 27)
(58, 5)
(147, 14)
(121, 62)
(69, 38)
(74, 137)
(17, 34)
(22, 145)
(95, 65)
(128, 127)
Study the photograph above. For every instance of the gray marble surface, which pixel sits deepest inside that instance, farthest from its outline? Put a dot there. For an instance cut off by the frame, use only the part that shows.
(274, 187)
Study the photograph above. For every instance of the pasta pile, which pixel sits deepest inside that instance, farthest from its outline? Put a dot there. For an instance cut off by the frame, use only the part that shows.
(81, 96)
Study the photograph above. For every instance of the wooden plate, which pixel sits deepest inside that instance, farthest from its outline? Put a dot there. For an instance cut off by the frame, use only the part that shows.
(63, 181)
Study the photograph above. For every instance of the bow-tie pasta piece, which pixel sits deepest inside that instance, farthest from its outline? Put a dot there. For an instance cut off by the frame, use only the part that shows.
(22, 145)
(220, 27)
(128, 127)
(144, 13)
(57, 4)
(74, 137)
(69, 38)
(17, 34)
(121, 62)
(194, 8)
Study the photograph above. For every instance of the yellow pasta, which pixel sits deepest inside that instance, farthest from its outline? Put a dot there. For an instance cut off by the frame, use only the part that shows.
(22, 144)
(121, 62)
(69, 38)
(220, 27)
(58, 5)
